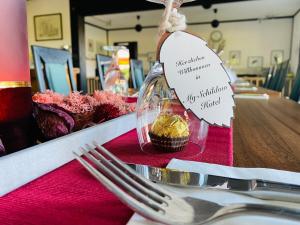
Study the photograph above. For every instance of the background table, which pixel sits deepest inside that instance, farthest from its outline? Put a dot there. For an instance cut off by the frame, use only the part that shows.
(267, 133)
(256, 80)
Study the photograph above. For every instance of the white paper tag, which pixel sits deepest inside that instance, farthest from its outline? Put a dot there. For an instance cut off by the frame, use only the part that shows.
(198, 78)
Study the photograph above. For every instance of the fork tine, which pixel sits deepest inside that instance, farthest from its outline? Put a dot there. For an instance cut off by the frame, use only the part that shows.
(153, 195)
(134, 204)
(132, 173)
(121, 183)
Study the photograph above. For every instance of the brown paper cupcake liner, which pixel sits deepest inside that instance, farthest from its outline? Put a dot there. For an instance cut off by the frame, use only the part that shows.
(168, 144)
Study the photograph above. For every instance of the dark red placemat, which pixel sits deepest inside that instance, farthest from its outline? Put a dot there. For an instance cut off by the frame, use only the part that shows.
(69, 195)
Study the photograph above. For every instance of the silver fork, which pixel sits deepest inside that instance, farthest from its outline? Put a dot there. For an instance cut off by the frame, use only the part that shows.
(156, 203)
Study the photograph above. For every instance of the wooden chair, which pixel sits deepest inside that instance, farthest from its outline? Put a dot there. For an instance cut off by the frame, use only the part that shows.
(103, 62)
(137, 73)
(54, 69)
(295, 93)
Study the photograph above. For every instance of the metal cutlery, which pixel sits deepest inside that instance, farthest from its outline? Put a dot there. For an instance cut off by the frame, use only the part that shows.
(154, 202)
(261, 189)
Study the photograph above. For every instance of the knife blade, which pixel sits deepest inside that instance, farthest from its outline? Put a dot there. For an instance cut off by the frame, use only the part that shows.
(257, 188)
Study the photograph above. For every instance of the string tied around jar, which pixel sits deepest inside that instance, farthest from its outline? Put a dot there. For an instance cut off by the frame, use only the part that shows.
(172, 20)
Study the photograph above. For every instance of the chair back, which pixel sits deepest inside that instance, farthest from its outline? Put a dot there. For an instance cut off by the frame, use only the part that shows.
(137, 73)
(295, 92)
(275, 77)
(54, 69)
(103, 63)
(282, 76)
(268, 76)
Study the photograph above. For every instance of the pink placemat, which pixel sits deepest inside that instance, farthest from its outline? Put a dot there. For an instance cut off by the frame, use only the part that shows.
(69, 195)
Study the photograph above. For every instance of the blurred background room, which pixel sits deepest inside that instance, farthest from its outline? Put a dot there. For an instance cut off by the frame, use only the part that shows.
(82, 52)
(252, 36)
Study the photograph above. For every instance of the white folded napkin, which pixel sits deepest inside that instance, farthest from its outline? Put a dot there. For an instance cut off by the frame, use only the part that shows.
(241, 82)
(252, 96)
(245, 89)
(223, 197)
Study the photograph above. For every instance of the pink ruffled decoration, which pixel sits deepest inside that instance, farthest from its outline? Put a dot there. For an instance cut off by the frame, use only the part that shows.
(78, 103)
(48, 97)
(84, 109)
(75, 102)
(105, 97)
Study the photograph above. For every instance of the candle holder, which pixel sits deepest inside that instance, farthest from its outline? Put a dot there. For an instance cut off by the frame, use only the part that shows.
(16, 123)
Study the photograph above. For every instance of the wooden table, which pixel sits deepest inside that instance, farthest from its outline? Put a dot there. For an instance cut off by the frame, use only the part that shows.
(267, 133)
(271, 93)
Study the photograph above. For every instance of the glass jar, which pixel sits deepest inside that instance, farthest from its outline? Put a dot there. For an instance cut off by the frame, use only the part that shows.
(164, 126)
(114, 78)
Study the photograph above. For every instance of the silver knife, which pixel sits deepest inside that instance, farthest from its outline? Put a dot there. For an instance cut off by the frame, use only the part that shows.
(261, 189)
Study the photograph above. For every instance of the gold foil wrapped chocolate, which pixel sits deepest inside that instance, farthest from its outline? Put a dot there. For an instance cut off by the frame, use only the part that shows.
(170, 126)
(169, 132)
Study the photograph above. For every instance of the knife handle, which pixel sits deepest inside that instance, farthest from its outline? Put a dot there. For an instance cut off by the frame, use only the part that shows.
(274, 191)
(276, 186)
(271, 195)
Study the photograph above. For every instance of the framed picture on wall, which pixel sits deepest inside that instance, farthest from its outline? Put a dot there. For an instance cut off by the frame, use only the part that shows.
(235, 58)
(276, 56)
(48, 27)
(255, 61)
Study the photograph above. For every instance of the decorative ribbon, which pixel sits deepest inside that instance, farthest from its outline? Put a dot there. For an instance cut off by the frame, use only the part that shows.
(14, 84)
(172, 19)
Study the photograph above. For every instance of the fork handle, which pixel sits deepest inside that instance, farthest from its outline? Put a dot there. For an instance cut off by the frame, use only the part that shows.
(291, 213)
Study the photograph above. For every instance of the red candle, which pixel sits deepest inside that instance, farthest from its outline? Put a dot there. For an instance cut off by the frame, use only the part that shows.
(15, 90)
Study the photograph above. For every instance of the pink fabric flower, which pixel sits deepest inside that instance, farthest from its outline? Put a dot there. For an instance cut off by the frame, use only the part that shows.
(52, 120)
